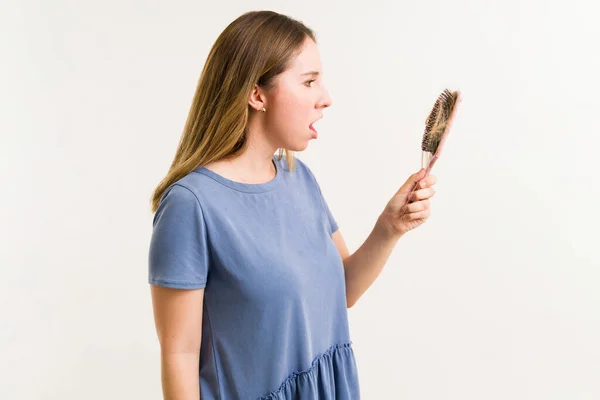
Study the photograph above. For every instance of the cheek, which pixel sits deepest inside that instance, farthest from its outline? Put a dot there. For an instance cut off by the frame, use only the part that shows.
(293, 113)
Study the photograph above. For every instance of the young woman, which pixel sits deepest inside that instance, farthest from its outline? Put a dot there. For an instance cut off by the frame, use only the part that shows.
(250, 276)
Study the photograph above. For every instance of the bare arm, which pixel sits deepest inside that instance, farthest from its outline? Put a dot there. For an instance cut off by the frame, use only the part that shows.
(365, 264)
(178, 320)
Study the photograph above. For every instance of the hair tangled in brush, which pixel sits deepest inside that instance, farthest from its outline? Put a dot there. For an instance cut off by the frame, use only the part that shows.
(437, 121)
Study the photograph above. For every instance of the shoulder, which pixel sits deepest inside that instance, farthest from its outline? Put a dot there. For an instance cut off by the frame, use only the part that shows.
(302, 171)
(182, 191)
(183, 196)
(190, 188)
(178, 201)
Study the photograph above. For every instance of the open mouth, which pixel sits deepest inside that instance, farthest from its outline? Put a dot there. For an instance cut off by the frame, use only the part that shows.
(313, 130)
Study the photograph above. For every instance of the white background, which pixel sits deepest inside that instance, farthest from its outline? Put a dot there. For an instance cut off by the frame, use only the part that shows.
(495, 297)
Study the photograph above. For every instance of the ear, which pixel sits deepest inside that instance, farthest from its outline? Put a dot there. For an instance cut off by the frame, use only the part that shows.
(257, 98)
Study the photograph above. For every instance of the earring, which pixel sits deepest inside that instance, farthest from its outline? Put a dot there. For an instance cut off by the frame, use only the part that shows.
(264, 110)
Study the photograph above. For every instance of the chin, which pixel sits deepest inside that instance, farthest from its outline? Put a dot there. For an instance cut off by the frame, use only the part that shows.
(301, 146)
(297, 146)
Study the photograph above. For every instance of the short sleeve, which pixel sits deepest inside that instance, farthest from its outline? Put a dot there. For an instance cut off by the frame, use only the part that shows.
(333, 226)
(179, 254)
(332, 222)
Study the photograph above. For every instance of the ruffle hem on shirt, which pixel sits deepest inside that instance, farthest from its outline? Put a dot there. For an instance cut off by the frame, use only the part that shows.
(332, 375)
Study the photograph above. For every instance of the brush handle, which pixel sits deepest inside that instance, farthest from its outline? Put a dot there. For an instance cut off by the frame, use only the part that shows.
(425, 157)
(427, 161)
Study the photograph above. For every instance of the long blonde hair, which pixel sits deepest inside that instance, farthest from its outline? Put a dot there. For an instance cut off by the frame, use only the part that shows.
(252, 50)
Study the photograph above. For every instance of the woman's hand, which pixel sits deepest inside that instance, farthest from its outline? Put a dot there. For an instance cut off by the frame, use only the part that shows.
(397, 219)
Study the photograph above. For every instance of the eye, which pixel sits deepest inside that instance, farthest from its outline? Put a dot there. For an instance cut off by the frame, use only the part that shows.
(308, 83)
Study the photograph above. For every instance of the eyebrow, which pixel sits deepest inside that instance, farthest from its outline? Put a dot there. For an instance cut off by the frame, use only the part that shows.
(311, 73)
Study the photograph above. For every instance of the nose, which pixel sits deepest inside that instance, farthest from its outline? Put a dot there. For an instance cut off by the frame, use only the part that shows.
(325, 100)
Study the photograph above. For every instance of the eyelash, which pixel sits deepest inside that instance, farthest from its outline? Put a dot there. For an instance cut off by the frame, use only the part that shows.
(313, 80)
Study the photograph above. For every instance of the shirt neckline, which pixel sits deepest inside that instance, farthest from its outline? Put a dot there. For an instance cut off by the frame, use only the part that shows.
(244, 187)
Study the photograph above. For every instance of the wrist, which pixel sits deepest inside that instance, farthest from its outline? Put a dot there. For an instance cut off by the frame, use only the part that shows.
(385, 230)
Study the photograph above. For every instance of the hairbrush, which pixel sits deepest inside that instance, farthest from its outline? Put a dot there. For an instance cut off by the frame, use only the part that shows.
(437, 126)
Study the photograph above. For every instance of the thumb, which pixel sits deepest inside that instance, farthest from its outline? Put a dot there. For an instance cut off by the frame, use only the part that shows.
(412, 180)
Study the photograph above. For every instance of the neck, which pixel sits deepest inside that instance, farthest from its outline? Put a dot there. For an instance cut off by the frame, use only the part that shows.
(255, 162)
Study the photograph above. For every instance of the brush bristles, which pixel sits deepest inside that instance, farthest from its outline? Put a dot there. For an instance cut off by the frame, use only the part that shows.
(436, 122)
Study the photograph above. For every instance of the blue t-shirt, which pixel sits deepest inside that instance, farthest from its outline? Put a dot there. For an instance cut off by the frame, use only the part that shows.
(275, 322)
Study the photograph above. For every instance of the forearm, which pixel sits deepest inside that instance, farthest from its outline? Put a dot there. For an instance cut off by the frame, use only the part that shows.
(179, 373)
(364, 265)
